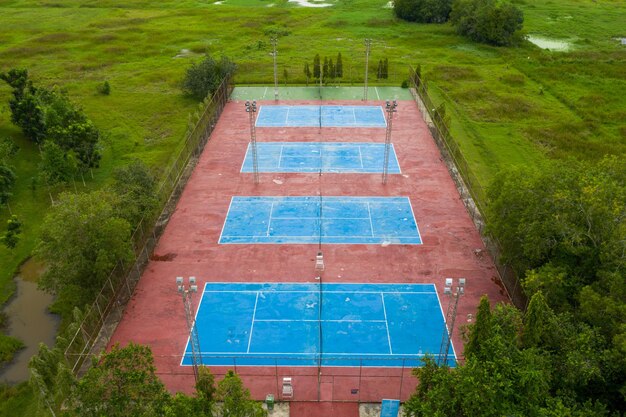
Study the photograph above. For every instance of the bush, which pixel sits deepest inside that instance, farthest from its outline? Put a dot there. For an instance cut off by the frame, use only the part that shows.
(423, 11)
(202, 79)
(487, 21)
(104, 88)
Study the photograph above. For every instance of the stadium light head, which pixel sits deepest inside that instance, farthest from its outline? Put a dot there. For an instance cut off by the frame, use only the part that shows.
(179, 280)
(461, 282)
(448, 282)
(192, 280)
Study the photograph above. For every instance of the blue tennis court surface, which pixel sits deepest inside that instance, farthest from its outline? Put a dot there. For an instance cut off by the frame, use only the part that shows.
(342, 157)
(325, 116)
(257, 324)
(358, 220)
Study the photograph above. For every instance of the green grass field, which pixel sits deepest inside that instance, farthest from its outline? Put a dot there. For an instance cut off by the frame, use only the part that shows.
(508, 106)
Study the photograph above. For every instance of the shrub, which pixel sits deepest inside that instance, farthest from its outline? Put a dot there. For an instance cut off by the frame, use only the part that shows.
(423, 11)
(487, 21)
(104, 88)
(202, 79)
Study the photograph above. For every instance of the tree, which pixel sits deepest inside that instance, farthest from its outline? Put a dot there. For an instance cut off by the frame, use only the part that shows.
(423, 11)
(325, 70)
(82, 239)
(11, 237)
(236, 399)
(135, 186)
(7, 174)
(202, 79)
(498, 377)
(7, 180)
(487, 21)
(307, 73)
(331, 69)
(316, 67)
(385, 71)
(122, 383)
(379, 70)
(25, 109)
(285, 75)
(339, 66)
(56, 165)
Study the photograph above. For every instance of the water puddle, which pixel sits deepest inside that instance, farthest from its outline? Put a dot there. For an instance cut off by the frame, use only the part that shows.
(551, 44)
(312, 3)
(29, 321)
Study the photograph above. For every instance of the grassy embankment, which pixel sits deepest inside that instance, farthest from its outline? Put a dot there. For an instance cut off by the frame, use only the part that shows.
(509, 106)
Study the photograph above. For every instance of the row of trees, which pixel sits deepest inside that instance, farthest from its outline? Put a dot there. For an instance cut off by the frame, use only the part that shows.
(68, 139)
(488, 21)
(7, 172)
(333, 71)
(327, 71)
(123, 383)
(563, 228)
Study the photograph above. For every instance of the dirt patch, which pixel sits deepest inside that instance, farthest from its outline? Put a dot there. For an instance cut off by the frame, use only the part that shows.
(168, 257)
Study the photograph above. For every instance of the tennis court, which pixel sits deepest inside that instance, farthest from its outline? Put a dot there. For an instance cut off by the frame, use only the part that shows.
(317, 219)
(335, 157)
(288, 324)
(323, 116)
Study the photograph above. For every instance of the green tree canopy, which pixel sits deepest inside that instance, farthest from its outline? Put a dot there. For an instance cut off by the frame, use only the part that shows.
(203, 78)
(236, 400)
(48, 115)
(135, 186)
(423, 11)
(82, 239)
(487, 21)
(122, 383)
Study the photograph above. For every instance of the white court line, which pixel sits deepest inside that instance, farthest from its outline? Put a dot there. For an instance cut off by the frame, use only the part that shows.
(376, 88)
(269, 220)
(360, 157)
(415, 219)
(316, 321)
(225, 218)
(300, 355)
(280, 157)
(195, 323)
(445, 325)
(245, 157)
(265, 92)
(370, 214)
(354, 115)
(325, 218)
(347, 284)
(325, 291)
(382, 297)
(287, 117)
(252, 324)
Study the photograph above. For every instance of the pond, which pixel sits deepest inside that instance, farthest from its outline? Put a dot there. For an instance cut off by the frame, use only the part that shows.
(551, 44)
(29, 321)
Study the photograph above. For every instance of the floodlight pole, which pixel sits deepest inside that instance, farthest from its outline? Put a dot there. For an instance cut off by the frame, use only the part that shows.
(368, 43)
(454, 292)
(274, 41)
(194, 341)
(391, 108)
(251, 110)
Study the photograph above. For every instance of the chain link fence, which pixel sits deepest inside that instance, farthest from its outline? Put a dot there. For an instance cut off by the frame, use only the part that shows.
(472, 192)
(99, 320)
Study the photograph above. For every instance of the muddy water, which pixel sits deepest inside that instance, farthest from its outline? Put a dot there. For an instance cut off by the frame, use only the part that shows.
(30, 322)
